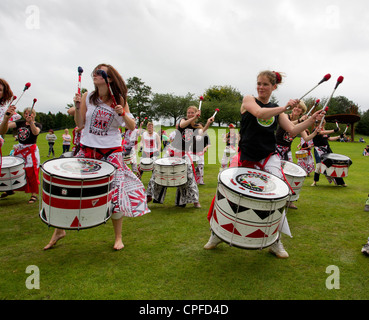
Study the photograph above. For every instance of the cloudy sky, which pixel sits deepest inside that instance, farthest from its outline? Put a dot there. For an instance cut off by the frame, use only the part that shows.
(181, 46)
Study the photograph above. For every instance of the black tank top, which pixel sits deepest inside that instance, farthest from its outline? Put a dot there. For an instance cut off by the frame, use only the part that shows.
(257, 135)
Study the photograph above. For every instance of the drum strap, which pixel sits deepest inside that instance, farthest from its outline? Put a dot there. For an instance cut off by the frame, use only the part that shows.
(100, 153)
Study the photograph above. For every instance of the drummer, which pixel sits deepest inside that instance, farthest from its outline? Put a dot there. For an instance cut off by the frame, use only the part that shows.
(259, 120)
(231, 139)
(200, 146)
(151, 144)
(6, 95)
(101, 139)
(27, 132)
(129, 144)
(322, 146)
(188, 128)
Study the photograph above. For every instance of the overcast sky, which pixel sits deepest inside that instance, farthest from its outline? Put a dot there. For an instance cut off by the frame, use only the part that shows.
(181, 46)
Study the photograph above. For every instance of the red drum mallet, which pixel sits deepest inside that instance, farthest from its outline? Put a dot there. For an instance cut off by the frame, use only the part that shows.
(80, 71)
(34, 101)
(26, 87)
(339, 81)
(313, 107)
(325, 78)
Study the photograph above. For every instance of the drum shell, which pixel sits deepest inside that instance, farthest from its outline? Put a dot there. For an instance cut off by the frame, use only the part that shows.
(335, 165)
(170, 175)
(128, 158)
(301, 154)
(13, 175)
(74, 204)
(295, 176)
(246, 222)
(146, 164)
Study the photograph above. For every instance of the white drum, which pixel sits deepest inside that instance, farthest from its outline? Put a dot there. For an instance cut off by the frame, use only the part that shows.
(248, 207)
(12, 174)
(127, 159)
(170, 172)
(68, 154)
(146, 164)
(76, 192)
(295, 176)
(335, 165)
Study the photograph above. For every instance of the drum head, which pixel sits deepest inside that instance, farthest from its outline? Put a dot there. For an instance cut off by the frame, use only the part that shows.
(172, 161)
(11, 161)
(335, 157)
(254, 183)
(146, 160)
(293, 169)
(78, 168)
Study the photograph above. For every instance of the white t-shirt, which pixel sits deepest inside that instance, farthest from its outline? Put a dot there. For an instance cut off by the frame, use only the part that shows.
(102, 126)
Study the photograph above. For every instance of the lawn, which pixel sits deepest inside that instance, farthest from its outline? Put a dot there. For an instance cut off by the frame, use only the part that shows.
(164, 259)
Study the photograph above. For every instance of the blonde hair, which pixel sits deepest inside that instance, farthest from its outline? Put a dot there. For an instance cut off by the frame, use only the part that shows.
(28, 109)
(303, 106)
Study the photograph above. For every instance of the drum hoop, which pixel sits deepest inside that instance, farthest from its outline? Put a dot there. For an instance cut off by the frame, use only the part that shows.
(78, 178)
(258, 198)
(22, 161)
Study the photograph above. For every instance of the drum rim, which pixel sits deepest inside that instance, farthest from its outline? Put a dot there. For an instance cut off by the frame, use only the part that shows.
(77, 228)
(254, 196)
(294, 164)
(78, 178)
(23, 161)
(182, 161)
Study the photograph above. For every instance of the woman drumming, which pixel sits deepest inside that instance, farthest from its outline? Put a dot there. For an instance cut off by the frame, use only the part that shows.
(6, 95)
(101, 139)
(180, 148)
(27, 133)
(321, 146)
(259, 120)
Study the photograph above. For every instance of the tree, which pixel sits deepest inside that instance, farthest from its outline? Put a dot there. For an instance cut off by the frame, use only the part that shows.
(169, 106)
(139, 98)
(225, 98)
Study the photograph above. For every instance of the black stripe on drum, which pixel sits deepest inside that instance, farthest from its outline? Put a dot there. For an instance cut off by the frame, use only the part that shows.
(69, 192)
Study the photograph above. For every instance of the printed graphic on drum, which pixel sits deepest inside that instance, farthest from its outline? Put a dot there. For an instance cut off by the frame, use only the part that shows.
(12, 174)
(335, 165)
(295, 176)
(300, 154)
(146, 164)
(170, 172)
(76, 192)
(127, 159)
(248, 207)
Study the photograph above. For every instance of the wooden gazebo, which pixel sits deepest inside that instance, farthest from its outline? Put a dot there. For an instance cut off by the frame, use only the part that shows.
(348, 119)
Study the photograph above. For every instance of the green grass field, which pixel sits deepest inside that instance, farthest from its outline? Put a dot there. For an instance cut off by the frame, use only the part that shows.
(164, 259)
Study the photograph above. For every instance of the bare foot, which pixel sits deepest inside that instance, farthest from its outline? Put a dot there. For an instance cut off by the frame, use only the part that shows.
(57, 235)
(118, 245)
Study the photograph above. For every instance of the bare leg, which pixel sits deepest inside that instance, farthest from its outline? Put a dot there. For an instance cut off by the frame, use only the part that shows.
(117, 224)
(57, 235)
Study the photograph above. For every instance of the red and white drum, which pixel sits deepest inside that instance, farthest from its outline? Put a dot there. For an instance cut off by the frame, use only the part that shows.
(146, 164)
(76, 192)
(128, 159)
(170, 172)
(335, 165)
(248, 207)
(300, 154)
(12, 174)
(295, 176)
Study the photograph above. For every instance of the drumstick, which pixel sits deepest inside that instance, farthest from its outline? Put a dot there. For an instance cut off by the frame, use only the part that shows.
(321, 121)
(105, 76)
(26, 87)
(201, 98)
(216, 111)
(346, 129)
(80, 71)
(337, 125)
(325, 78)
(34, 101)
(339, 81)
(12, 100)
(314, 106)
